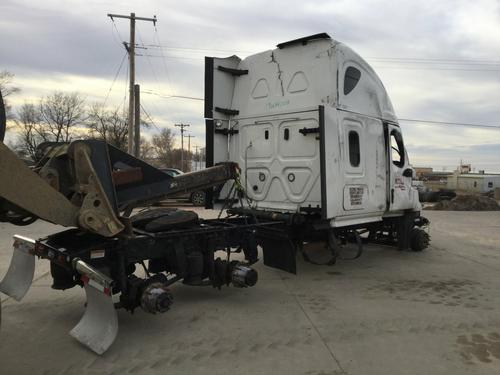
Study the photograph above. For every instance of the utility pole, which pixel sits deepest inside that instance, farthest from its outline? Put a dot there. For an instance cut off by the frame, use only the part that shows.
(182, 126)
(137, 122)
(189, 141)
(131, 54)
(189, 147)
(197, 157)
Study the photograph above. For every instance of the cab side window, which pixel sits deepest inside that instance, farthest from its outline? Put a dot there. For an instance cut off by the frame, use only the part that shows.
(354, 150)
(351, 79)
(397, 149)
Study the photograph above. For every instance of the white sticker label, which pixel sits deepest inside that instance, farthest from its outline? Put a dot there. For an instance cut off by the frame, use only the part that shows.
(100, 253)
(356, 195)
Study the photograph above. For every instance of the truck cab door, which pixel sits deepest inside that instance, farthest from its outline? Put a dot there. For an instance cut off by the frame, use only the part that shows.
(400, 191)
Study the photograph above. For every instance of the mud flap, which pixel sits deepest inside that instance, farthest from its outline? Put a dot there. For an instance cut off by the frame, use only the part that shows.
(20, 274)
(98, 327)
(279, 251)
(99, 324)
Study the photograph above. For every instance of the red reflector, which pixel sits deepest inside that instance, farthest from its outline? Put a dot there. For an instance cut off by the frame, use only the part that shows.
(85, 279)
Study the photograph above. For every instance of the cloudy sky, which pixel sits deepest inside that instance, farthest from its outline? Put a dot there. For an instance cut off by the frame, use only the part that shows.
(439, 60)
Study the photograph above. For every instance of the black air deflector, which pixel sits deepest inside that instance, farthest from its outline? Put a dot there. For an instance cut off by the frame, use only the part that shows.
(303, 40)
(209, 86)
(227, 111)
(234, 72)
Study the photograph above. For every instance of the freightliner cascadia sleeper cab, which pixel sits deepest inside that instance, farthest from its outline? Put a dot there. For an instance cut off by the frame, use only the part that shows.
(314, 131)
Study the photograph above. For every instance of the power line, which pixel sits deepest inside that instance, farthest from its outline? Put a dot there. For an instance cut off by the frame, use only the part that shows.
(149, 117)
(432, 68)
(114, 79)
(395, 59)
(125, 93)
(172, 96)
(159, 46)
(400, 119)
(149, 61)
(434, 65)
(451, 123)
(435, 60)
(157, 36)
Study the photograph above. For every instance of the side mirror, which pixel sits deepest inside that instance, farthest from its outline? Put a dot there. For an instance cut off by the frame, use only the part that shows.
(408, 172)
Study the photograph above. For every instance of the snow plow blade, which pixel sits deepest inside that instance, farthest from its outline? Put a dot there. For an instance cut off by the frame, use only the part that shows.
(19, 276)
(98, 326)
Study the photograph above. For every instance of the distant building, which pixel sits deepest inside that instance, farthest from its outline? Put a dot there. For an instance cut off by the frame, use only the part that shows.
(435, 180)
(421, 170)
(473, 182)
(465, 168)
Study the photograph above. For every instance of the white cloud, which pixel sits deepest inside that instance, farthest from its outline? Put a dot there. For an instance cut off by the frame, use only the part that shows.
(50, 45)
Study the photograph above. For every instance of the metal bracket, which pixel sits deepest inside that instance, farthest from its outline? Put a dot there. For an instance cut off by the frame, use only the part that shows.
(226, 131)
(96, 213)
(227, 111)
(234, 72)
(305, 131)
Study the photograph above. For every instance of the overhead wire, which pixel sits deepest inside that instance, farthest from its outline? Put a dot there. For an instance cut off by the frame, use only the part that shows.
(433, 68)
(436, 64)
(425, 60)
(445, 64)
(114, 79)
(125, 93)
(172, 96)
(160, 46)
(167, 74)
(120, 41)
(470, 125)
(149, 61)
(149, 117)
(390, 58)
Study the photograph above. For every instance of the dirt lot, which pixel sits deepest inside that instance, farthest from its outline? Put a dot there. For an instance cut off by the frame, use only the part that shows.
(389, 312)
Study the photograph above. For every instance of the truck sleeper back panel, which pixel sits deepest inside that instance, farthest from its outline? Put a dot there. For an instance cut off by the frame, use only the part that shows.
(265, 112)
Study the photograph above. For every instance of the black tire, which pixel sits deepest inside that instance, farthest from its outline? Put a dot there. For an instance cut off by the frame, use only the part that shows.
(174, 220)
(419, 239)
(142, 218)
(198, 198)
(162, 219)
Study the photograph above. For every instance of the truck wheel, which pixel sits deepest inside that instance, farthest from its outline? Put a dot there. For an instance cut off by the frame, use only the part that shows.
(419, 239)
(198, 198)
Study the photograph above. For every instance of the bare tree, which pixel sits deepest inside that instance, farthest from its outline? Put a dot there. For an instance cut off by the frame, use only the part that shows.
(30, 130)
(61, 113)
(6, 79)
(163, 144)
(146, 149)
(108, 125)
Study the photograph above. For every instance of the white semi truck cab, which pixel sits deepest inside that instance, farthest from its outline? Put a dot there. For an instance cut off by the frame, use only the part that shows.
(314, 131)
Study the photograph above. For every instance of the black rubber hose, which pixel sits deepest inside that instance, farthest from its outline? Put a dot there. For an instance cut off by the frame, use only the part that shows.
(3, 119)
